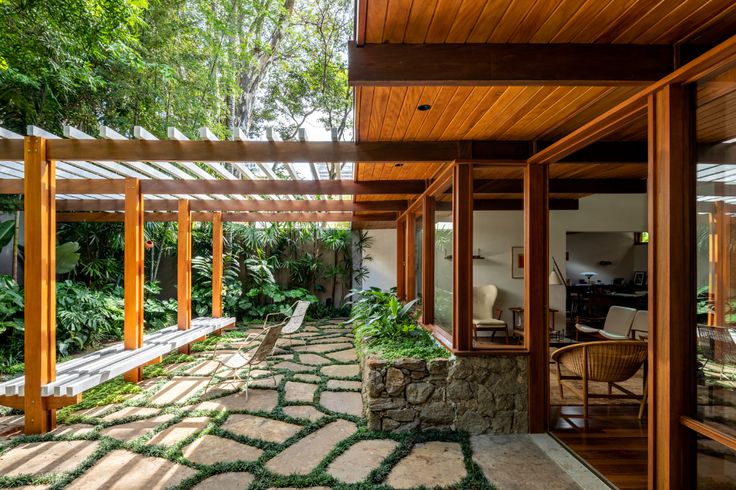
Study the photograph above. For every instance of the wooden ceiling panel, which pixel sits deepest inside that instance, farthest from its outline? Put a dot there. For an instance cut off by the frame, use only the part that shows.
(597, 171)
(465, 113)
(546, 21)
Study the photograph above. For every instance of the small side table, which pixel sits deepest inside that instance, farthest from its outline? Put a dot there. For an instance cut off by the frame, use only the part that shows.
(518, 327)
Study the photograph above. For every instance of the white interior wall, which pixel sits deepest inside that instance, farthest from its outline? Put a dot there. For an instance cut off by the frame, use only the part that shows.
(495, 232)
(586, 250)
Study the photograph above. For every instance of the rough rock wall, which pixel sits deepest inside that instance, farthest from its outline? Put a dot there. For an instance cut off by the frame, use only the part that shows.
(480, 395)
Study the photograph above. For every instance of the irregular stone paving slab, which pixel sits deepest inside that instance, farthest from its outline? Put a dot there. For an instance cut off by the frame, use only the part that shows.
(267, 382)
(322, 347)
(37, 458)
(355, 464)
(205, 368)
(299, 392)
(131, 430)
(72, 430)
(344, 371)
(225, 481)
(178, 390)
(94, 411)
(265, 400)
(304, 412)
(303, 334)
(330, 340)
(432, 464)
(212, 449)
(303, 456)
(289, 357)
(292, 366)
(498, 458)
(339, 384)
(226, 386)
(32, 487)
(179, 431)
(290, 342)
(131, 412)
(347, 402)
(348, 355)
(16, 419)
(123, 470)
(301, 488)
(313, 360)
(307, 378)
(260, 428)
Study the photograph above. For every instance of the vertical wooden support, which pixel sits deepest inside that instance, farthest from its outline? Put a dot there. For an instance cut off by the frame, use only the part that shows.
(672, 323)
(40, 284)
(410, 257)
(536, 292)
(462, 257)
(217, 265)
(722, 264)
(184, 268)
(428, 260)
(133, 275)
(400, 259)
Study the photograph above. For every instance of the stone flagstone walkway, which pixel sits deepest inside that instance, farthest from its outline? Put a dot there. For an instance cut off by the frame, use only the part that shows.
(301, 425)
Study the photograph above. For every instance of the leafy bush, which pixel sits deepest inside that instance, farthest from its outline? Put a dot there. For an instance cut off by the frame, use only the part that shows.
(11, 323)
(385, 326)
(251, 305)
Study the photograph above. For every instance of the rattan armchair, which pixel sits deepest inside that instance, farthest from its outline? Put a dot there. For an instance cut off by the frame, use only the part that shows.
(608, 361)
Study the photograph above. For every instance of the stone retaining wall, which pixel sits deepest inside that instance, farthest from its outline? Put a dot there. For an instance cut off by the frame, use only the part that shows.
(476, 394)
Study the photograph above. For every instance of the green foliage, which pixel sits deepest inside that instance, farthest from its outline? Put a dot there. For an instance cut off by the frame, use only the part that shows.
(11, 322)
(388, 328)
(67, 257)
(113, 391)
(7, 231)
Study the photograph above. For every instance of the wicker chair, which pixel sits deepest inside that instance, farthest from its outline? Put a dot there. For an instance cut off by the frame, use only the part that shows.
(246, 357)
(607, 361)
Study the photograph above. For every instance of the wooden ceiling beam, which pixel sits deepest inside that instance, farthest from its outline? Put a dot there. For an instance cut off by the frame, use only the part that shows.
(115, 217)
(511, 205)
(565, 186)
(135, 151)
(251, 205)
(508, 64)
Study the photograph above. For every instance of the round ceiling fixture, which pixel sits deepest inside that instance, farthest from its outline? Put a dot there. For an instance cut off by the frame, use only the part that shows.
(424, 107)
(398, 164)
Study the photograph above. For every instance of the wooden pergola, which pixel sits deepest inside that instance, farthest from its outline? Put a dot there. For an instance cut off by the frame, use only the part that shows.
(530, 109)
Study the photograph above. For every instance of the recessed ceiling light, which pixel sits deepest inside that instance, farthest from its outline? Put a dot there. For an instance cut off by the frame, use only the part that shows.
(398, 164)
(424, 107)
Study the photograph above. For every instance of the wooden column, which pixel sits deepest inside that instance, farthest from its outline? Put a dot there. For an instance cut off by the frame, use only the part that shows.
(40, 283)
(536, 291)
(410, 257)
(400, 259)
(133, 275)
(428, 260)
(217, 264)
(462, 257)
(184, 268)
(671, 288)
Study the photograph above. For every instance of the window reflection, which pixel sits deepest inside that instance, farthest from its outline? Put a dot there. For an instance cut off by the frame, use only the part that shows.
(443, 265)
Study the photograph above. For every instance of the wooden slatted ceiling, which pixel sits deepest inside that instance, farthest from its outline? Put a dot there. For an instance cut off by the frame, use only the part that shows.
(465, 113)
(542, 21)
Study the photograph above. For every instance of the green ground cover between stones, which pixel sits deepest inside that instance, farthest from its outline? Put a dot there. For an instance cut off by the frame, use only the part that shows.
(118, 395)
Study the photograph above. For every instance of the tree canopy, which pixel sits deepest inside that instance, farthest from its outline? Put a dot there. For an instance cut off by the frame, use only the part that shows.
(183, 63)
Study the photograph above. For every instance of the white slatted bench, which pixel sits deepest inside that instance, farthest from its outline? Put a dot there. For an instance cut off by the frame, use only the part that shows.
(78, 375)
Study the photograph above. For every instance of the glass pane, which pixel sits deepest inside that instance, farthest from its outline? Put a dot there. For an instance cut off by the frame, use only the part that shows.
(498, 256)
(716, 465)
(418, 257)
(443, 263)
(715, 246)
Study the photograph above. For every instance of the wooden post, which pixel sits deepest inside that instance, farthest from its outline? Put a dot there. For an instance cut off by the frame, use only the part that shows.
(428, 260)
(184, 268)
(40, 284)
(400, 259)
(536, 291)
(410, 255)
(133, 273)
(217, 264)
(672, 322)
(462, 257)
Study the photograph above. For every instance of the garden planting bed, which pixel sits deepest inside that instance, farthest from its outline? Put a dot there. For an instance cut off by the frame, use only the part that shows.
(480, 395)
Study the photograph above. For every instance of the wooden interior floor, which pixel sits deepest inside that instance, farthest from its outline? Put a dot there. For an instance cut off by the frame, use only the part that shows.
(614, 441)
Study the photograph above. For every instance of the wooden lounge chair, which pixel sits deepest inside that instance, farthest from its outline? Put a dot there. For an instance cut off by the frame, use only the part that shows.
(607, 361)
(617, 325)
(246, 357)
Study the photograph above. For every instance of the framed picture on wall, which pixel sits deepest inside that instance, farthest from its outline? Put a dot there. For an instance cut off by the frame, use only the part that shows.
(640, 278)
(517, 262)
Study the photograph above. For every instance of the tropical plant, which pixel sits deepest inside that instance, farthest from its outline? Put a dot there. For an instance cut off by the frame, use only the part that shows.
(380, 314)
